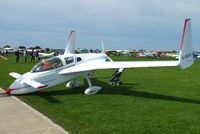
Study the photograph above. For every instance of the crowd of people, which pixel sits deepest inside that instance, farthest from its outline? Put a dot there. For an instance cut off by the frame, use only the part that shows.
(34, 56)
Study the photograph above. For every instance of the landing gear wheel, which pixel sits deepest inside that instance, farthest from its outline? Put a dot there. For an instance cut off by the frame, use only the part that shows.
(73, 84)
(115, 77)
(115, 83)
(118, 83)
(91, 89)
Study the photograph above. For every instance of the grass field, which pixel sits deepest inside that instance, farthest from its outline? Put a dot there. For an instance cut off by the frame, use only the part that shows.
(150, 101)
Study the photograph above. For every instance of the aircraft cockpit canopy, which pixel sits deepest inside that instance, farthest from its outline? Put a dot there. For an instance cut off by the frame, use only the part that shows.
(48, 64)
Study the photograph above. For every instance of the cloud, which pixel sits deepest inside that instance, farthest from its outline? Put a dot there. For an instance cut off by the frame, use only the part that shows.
(117, 21)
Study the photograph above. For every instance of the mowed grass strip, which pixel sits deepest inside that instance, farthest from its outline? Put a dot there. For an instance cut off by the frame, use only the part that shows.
(150, 100)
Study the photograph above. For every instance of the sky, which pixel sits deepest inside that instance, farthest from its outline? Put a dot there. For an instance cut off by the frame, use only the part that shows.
(121, 24)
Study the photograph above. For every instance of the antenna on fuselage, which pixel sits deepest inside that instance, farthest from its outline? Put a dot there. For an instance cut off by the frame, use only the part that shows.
(102, 45)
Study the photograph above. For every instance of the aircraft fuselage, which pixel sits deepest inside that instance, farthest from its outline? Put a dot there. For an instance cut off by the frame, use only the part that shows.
(52, 77)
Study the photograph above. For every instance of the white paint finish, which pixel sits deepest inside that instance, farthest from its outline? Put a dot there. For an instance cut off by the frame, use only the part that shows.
(29, 82)
(186, 54)
(15, 75)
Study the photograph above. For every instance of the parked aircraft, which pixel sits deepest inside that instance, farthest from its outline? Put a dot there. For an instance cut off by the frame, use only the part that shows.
(196, 56)
(173, 55)
(145, 54)
(43, 55)
(69, 66)
(9, 50)
(176, 56)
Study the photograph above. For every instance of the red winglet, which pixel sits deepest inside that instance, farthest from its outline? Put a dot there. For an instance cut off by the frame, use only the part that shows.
(70, 35)
(42, 86)
(183, 35)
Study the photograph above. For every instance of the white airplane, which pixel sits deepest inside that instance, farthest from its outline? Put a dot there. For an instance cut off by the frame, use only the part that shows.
(9, 50)
(176, 56)
(69, 66)
(43, 55)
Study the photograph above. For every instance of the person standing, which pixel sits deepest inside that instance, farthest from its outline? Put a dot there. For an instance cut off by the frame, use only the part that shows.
(32, 56)
(25, 56)
(17, 56)
(36, 56)
(3, 52)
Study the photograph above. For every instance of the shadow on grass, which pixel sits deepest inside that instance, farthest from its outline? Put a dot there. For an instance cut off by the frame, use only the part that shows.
(49, 98)
(124, 89)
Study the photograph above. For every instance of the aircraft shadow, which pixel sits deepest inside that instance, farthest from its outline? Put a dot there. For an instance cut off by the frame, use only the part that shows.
(123, 89)
(49, 98)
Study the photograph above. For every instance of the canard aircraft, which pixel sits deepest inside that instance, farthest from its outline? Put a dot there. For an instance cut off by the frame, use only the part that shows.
(69, 66)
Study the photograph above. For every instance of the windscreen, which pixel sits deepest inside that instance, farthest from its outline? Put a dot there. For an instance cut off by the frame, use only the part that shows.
(48, 64)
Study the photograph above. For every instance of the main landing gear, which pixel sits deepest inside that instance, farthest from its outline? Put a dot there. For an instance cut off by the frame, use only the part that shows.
(94, 89)
(91, 89)
(73, 84)
(115, 77)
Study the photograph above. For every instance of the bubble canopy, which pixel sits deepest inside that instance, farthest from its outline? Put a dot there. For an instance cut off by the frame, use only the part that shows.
(48, 64)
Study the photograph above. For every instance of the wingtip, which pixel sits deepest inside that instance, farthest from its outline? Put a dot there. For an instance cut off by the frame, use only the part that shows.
(187, 19)
(42, 86)
(70, 48)
(71, 32)
(183, 34)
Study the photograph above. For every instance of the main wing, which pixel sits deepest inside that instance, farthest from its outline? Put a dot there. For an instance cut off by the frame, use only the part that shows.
(95, 65)
(185, 58)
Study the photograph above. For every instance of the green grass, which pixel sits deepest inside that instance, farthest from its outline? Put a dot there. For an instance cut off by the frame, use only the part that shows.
(150, 101)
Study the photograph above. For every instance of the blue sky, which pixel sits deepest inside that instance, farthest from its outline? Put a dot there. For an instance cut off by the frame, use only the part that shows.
(121, 24)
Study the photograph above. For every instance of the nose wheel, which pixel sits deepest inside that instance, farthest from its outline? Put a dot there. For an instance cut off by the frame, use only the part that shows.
(73, 84)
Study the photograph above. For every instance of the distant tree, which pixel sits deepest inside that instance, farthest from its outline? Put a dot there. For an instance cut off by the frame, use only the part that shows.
(47, 49)
(37, 47)
(22, 47)
(76, 51)
(91, 51)
(7, 46)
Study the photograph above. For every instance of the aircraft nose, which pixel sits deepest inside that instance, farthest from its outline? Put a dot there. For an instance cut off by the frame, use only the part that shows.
(14, 86)
(8, 91)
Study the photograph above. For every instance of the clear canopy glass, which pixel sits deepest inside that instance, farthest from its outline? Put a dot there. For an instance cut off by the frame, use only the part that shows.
(48, 64)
